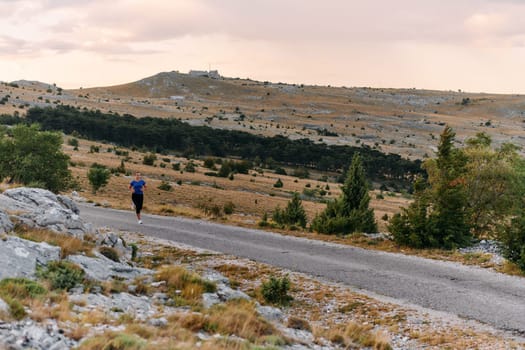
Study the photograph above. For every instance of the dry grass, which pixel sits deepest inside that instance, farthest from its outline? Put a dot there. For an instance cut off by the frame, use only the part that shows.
(191, 321)
(355, 335)
(113, 341)
(510, 268)
(298, 323)
(181, 283)
(240, 318)
(69, 245)
(95, 317)
(78, 332)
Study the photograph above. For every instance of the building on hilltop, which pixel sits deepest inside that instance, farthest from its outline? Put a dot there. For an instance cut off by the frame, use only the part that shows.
(213, 74)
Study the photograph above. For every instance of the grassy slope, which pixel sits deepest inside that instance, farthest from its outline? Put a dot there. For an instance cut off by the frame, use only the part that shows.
(402, 121)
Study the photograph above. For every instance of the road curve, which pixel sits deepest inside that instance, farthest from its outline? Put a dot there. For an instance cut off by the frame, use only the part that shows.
(469, 292)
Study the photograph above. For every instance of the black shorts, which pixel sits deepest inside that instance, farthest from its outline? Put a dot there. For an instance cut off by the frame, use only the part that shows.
(138, 200)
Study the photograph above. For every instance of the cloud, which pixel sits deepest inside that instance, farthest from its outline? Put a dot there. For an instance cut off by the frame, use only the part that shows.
(124, 24)
(274, 35)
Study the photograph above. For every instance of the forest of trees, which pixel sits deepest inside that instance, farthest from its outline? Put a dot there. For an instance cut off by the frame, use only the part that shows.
(173, 135)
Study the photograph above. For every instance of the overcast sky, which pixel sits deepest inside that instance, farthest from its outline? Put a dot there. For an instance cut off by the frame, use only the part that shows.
(473, 45)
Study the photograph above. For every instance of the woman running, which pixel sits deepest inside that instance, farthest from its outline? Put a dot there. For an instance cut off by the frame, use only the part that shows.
(137, 187)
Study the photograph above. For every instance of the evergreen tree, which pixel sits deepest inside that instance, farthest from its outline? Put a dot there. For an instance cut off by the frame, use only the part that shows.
(350, 212)
(438, 216)
(293, 214)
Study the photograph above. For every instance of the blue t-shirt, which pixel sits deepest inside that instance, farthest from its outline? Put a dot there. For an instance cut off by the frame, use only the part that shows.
(138, 186)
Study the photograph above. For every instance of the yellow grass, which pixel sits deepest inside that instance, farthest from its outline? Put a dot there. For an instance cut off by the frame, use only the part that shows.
(69, 245)
(240, 318)
(180, 282)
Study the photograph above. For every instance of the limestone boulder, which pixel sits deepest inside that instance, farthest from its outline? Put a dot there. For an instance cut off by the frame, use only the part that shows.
(20, 257)
(101, 268)
(40, 208)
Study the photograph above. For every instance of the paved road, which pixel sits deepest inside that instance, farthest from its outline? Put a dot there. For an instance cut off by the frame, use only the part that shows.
(469, 292)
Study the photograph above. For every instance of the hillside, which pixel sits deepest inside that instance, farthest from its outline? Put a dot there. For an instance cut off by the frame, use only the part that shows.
(401, 121)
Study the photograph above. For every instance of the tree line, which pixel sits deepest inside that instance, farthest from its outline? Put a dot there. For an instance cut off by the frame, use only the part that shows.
(173, 135)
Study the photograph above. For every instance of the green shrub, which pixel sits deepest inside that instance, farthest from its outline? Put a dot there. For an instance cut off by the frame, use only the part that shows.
(63, 275)
(176, 166)
(190, 167)
(512, 238)
(149, 159)
(264, 220)
(16, 309)
(275, 290)
(225, 169)
(209, 163)
(109, 253)
(228, 208)
(278, 184)
(165, 186)
(280, 171)
(73, 142)
(293, 214)
(21, 288)
(134, 251)
(98, 176)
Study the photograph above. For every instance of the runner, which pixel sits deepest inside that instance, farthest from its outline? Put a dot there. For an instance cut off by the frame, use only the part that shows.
(137, 187)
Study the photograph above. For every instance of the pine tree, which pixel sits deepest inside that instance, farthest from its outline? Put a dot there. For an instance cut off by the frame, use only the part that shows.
(438, 216)
(350, 212)
(293, 214)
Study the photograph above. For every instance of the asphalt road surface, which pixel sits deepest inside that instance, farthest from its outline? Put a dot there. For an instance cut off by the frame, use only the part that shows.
(468, 292)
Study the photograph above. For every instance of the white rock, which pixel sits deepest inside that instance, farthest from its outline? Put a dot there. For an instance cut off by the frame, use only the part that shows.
(20, 257)
(101, 268)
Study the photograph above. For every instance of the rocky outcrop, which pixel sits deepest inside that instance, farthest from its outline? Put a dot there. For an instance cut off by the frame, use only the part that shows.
(114, 241)
(43, 209)
(140, 307)
(28, 334)
(20, 257)
(101, 268)
(5, 223)
(223, 293)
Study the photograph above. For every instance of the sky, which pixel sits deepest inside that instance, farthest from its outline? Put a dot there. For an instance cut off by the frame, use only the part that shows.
(472, 45)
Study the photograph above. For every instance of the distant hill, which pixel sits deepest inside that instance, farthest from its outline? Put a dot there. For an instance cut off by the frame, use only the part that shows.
(402, 121)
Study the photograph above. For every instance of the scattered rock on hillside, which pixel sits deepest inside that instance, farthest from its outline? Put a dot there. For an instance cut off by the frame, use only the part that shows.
(114, 241)
(223, 293)
(20, 257)
(101, 268)
(139, 307)
(27, 334)
(486, 247)
(40, 208)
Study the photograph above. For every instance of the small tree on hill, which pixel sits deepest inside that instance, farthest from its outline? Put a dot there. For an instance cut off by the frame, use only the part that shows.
(98, 176)
(350, 212)
(293, 214)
